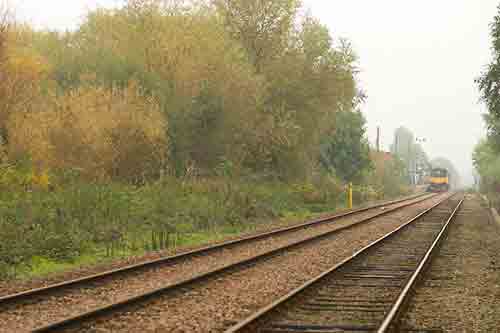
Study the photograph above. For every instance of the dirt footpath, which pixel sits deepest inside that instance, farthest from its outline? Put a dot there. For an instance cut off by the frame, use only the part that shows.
(461, 291)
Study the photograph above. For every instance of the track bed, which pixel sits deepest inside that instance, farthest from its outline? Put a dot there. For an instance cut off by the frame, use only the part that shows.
(461, 292)
(58, 304)
(366, 292)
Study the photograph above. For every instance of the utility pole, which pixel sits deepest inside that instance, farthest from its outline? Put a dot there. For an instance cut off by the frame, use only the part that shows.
(378, 139)
(419, 169)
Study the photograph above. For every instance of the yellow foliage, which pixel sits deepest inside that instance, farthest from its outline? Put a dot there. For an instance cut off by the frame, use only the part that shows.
(7, 175)
(22, 72)
(213, 94)
(3, 152)
(12, 176)
(103, 133)
(39, 180)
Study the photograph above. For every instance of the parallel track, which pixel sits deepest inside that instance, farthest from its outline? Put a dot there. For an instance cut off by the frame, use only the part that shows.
(366, 292)
(39, 294)
(197, 252)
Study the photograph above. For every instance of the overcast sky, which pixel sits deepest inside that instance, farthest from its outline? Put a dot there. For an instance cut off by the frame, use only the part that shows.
(418, 62)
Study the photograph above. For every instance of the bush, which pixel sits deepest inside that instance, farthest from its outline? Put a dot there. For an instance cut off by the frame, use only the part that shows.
(82, 218)
(106, 134)
(22, 71)
(94, 124)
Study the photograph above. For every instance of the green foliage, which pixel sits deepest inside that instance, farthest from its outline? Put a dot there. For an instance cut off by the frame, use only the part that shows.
(166, 122)
(365, 193)
(263, 27)
(263, 104)
(486, 154)
(389, 175)
(488, 84)
(347, 151)
(84, 219)
(487, 163)
(394, 181)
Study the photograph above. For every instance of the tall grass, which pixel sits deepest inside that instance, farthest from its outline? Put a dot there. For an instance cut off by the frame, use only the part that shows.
(83, 219)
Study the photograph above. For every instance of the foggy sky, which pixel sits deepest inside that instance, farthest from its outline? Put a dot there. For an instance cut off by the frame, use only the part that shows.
(418, 62)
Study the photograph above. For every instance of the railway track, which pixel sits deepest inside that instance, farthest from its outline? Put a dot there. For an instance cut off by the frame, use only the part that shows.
(366, 292)
(463, 282)
(42, 299)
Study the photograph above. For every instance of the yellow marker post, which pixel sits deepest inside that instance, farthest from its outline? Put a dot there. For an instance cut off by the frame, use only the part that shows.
(349, 196)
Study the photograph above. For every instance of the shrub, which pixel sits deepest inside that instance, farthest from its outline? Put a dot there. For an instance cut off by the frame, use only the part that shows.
(22, 71)
(106, 134)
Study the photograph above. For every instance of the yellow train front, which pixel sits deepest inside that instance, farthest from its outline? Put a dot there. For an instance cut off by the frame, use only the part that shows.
(439, 181)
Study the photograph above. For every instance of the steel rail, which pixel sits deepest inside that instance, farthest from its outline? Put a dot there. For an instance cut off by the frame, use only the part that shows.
(196, 252)
(100, 311)
(402, 299)
(267, 309)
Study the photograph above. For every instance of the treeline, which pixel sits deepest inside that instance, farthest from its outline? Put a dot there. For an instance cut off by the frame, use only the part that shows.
(174, 120)
(248, 85)
(487, 153)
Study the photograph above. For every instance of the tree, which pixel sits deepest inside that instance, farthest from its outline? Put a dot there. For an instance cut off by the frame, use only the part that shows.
(106, 134)
(262, 26)
(22, 71)
(307, 84)
(209, 97)
(347, 152)
(4, 27)
(262, 106)
(487, 163)
(489, 86)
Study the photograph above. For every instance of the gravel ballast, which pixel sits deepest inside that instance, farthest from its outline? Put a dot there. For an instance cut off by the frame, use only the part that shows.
(461, 289)
(8, 287)
(217, 303)
(72, 301)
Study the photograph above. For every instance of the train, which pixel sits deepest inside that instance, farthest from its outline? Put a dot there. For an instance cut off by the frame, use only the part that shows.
(439, 180)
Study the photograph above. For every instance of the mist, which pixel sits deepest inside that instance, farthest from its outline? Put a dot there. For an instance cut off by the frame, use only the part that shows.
(418, 63)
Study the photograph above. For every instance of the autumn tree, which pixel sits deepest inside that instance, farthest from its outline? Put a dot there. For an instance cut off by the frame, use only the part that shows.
(173, 51)
(4, 27)
(107, 134)
(262, 26)
(22, 70)
(4, 30)
(262, 105)
(310, 81)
